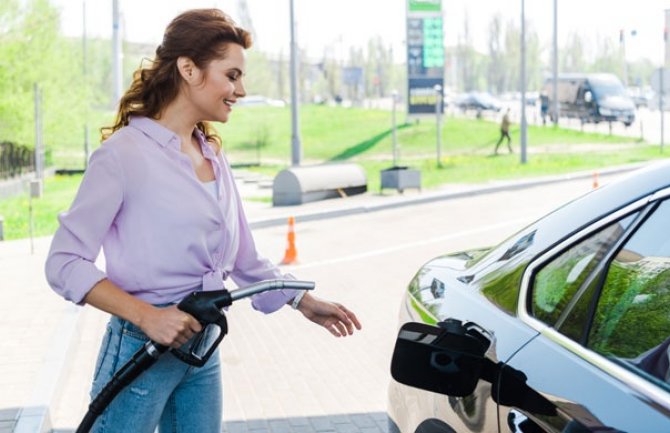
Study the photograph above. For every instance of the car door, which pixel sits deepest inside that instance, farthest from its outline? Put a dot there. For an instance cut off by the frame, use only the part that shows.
(601, 303)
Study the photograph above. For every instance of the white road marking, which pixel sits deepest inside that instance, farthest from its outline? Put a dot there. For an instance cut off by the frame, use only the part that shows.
(409, 245)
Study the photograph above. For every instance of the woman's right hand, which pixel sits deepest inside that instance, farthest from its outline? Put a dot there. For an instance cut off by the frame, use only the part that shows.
(169, 326)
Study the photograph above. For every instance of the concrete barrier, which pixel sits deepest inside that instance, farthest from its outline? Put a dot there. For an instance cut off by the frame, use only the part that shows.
(298, 185)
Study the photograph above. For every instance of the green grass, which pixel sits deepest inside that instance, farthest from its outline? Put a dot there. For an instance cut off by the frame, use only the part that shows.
(481, 168)
(59, 191)
(338, 134)
(69, 151)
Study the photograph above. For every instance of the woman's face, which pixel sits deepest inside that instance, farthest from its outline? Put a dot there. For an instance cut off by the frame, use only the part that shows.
(219, 86)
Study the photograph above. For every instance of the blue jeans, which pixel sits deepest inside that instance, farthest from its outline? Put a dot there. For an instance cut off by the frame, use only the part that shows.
(171, 395)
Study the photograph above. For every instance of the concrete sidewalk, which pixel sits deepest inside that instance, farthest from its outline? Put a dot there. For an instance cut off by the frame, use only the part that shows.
(40, 332)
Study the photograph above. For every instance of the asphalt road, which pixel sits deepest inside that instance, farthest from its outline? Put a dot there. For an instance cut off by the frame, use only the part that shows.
(365, 262)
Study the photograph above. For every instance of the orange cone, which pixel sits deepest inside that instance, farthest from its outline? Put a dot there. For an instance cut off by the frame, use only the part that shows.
(291, 254)
(595, 180)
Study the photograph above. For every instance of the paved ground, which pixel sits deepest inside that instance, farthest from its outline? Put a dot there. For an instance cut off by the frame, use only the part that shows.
(47, 346)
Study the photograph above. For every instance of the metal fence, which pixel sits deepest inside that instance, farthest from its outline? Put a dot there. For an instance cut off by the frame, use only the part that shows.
(15, 159)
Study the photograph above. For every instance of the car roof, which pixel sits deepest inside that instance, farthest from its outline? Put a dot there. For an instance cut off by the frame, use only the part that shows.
(609, 198)
(581, 212)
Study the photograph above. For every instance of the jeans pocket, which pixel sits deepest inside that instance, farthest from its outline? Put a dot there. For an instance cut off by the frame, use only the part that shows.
(133, 331)
(104, 351)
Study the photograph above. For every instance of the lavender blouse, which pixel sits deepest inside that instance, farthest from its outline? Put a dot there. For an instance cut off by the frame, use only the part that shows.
(163, 233)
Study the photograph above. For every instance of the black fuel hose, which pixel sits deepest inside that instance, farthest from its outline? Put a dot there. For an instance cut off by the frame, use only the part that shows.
(206, 308)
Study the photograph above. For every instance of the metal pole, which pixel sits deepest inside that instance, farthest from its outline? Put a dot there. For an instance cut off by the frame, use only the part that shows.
(623, 54)
(394, 134)
(296, 150)
(438, 122)
(87, 147)
(554, 66)
(116, 51)
(524, 125)
(83, 36)
(30, 223)
(39, 168)
(660, 106)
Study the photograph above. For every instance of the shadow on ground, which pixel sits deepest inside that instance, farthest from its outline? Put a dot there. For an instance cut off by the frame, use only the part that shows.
(365, 145)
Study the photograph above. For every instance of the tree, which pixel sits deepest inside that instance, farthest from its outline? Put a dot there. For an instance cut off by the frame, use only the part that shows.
(378, 68)
(33, 51)
(608, 58)
(574, 54)
(512, 59)
(512, 63)
(496, 66)
(534, 64)
(466, 55)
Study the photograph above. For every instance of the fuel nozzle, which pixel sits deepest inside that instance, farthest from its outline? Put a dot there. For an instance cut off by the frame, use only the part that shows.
(206, 308)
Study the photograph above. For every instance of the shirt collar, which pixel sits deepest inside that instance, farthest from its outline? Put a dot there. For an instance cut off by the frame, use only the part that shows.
(166, 137)
(207, 150)
(154, 130)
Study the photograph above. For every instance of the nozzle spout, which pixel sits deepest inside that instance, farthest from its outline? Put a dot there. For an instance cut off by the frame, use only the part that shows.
(267, 285)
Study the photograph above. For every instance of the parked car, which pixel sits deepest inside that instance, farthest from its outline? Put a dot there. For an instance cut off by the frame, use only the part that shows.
(479, 101)
(641, 96)
(259, 100)
(591, 98)
(564, 327)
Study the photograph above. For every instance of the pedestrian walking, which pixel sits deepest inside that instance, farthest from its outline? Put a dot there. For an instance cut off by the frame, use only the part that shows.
(159, 198)
(504, 133)
(544, 107)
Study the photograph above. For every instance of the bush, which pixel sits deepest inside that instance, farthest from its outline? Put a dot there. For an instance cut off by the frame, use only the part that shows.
(14, 159)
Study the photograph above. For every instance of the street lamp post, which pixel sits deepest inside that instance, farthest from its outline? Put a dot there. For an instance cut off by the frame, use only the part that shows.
(554, 67)
(116, 51)
(296, 151)
(524, 125)
(622, 40)
(438, 122)
(84, 49)
(394, 134)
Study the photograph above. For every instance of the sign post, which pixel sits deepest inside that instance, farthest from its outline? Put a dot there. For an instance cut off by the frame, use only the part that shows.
(425, 55)
(659, 83)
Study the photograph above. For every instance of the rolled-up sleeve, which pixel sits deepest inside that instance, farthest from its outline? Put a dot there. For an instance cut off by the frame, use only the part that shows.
(70, 266)
(250, 268)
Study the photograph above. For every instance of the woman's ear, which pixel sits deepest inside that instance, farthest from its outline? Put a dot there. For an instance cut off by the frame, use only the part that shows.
(187, 69)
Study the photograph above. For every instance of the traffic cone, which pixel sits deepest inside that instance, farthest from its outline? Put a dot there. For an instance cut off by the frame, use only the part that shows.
(291, 254)
(595, 180)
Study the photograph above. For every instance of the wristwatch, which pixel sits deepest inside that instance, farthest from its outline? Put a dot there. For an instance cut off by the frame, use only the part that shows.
(296, 301)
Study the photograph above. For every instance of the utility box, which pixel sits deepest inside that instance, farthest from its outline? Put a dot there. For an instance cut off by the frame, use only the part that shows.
(35, 188)
(298, 185)
(400, 178)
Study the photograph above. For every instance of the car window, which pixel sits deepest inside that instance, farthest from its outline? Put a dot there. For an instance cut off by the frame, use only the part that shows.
(556, 283)
(632, 318)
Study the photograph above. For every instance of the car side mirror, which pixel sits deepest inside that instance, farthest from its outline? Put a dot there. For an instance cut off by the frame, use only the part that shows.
(446, 359)
(588, 96)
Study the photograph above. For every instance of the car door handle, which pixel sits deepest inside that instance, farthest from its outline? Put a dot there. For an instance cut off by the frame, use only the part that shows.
(520, 423)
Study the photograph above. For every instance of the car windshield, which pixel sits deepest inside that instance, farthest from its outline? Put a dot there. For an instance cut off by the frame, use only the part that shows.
(607, 88)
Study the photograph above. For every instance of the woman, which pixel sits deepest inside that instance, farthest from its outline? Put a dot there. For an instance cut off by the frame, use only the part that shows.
(159, 197)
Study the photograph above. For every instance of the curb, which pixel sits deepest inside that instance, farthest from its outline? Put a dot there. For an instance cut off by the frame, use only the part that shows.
(439, 196)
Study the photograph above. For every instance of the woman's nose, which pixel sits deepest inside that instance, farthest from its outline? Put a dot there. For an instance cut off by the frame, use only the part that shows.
(240, 91)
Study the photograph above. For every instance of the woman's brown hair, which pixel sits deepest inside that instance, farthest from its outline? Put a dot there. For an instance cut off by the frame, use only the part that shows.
(202, 35)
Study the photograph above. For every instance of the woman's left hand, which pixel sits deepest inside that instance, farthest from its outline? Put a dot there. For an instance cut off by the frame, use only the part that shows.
(336, 318)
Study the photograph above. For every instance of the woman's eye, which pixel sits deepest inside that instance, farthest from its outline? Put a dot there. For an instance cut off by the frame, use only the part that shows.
(233, 77)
